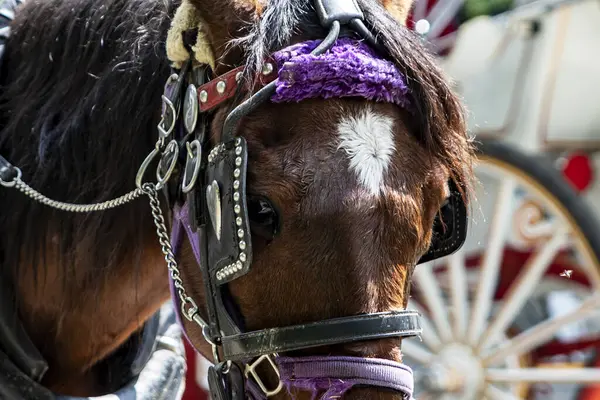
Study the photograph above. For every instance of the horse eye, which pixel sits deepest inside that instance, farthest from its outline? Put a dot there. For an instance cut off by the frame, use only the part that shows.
(264, 220)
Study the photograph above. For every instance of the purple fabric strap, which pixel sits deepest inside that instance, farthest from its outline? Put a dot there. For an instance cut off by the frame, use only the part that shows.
(181, 222)
(330, 377)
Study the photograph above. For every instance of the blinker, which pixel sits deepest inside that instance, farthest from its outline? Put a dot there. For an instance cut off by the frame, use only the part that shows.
(229, 246)
(449, 228)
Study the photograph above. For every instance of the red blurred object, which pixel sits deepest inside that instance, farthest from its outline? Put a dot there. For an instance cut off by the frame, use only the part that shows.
(578, 171)
(193, 389)
(592, 392)
(449, 29)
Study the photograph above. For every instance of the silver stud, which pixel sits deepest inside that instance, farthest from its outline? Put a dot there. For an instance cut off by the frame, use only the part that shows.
(237, 209)
(229, 269)
(219, 275)
(242, 245)
(203, 96)
(238, 221)
(267, 69)
(236, 185)
(221, 86)
(240, 233)
(243, 257)
(238, 76)
(238, 141)
(210, 157)
(238, 150)
(236, 196)
(238, 161)
(236, 172)
(239, 265)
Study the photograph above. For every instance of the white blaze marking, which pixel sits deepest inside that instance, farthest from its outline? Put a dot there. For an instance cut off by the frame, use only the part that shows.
(369, 141)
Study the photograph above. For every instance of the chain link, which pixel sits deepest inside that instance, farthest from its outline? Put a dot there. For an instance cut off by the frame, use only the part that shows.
(27, 190)
(189, 309)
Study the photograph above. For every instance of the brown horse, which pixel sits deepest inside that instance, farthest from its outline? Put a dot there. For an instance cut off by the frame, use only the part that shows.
(341, 193)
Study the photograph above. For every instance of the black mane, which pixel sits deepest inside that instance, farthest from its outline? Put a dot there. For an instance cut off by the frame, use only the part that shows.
(80, 98)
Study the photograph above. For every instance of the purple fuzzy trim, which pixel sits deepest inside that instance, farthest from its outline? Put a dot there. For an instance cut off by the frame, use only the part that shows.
(332, 388)
(349, 69)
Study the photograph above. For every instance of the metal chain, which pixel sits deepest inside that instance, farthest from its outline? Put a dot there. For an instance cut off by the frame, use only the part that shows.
(188, 306)
(24, 188)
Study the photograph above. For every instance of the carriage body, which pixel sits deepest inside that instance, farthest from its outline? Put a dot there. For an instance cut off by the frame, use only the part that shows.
(528, 77)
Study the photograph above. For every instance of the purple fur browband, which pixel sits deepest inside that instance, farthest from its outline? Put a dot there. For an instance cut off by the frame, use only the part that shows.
(349, 69)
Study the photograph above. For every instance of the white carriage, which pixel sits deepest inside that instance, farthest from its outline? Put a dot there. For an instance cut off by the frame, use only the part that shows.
(519, 305)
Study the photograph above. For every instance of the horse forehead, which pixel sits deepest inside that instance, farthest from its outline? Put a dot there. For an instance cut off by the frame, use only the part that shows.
(368, 140)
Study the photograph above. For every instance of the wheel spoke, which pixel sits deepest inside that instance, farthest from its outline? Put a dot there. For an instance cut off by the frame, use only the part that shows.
(458, 293)
(491, 260)
(543, 332)
(524, 285)
(494, 393)
(428, 336)
(551, 375)
(589, 264)
(432, 296)
(416, 352)
(441, 14)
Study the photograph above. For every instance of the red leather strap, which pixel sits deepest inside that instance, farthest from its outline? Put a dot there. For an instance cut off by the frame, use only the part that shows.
(209, 96)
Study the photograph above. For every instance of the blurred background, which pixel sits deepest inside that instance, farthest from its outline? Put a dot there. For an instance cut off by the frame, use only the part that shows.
(515, 314)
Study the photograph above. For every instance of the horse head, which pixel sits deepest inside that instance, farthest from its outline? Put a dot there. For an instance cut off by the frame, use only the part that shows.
(337, 160)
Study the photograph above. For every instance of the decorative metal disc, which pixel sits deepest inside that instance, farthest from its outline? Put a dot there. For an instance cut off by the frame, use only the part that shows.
(190, 108)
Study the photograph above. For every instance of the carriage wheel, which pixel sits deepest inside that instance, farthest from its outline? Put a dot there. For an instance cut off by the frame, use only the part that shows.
(515, 314)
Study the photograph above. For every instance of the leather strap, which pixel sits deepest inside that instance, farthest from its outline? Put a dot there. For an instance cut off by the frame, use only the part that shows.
(342, 11)
(209, 96)
(333, 331)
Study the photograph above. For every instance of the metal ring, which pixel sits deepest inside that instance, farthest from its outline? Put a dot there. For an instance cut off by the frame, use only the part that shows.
(191, 311)
(192, 158)
(142, 171)
(14, 180)
(173, 150)
(162, 131)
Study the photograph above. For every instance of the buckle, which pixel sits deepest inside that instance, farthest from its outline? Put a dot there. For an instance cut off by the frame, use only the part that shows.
(251, 370)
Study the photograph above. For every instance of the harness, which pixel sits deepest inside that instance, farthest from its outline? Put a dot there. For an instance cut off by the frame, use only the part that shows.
(205, 187)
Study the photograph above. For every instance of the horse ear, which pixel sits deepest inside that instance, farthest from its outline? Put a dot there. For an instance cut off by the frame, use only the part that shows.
(186, 18)
(398, 8)
(222, 21)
